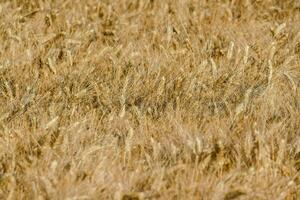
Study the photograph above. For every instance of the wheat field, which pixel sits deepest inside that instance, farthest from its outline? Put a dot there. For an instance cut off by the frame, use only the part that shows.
(149, 99)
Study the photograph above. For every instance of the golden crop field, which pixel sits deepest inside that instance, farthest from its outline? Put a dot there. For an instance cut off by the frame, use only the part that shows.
(149, 99)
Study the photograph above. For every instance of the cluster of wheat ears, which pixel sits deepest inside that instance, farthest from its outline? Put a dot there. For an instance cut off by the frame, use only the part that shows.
(149, 99)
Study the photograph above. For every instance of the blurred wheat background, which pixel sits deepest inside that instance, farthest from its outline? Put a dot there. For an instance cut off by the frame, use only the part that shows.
(149, 99)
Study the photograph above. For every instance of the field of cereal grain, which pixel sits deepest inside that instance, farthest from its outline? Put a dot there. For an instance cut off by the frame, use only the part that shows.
(149, 99)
